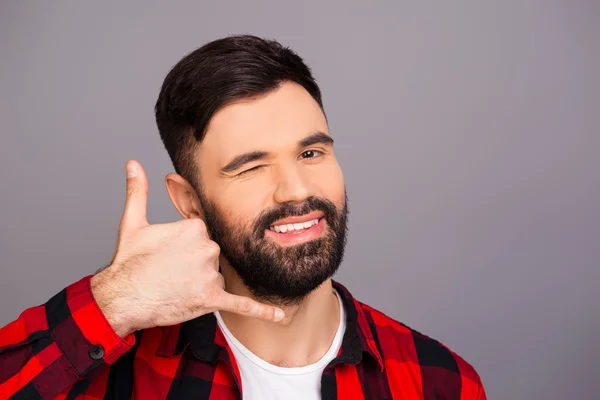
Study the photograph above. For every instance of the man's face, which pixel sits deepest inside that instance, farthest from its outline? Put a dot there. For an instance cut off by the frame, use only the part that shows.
(278, 212)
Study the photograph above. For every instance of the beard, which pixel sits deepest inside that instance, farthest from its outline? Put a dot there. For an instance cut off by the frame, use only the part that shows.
(273, 273)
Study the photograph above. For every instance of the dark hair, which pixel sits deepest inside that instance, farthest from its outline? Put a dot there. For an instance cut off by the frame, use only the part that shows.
(219, 73)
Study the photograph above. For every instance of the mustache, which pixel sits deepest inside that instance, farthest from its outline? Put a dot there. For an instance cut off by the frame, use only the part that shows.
(268, 217)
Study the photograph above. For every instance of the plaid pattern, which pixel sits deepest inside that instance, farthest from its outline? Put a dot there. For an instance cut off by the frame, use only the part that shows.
(48, 352)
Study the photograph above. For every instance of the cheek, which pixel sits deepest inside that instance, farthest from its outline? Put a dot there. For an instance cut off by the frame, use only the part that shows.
(330, 183)
(240, 207)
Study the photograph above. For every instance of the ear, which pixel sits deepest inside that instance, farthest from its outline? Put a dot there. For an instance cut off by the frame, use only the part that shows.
(183, 196)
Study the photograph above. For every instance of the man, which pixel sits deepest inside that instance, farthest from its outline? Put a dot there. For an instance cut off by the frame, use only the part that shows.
(236, 299)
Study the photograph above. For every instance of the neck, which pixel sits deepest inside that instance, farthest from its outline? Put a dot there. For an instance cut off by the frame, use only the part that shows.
(302, 338)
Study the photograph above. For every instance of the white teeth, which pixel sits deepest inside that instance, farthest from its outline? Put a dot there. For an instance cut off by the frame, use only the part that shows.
(294, 227)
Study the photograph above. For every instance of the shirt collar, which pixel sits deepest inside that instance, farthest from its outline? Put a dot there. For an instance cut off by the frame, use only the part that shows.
(207, 342)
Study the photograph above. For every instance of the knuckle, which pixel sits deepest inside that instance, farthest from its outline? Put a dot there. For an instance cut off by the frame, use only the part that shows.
(197, 224)
(195, 227)
(189, 223)
(132, 190)
(245, 306)
(211, 249)
(204, 299)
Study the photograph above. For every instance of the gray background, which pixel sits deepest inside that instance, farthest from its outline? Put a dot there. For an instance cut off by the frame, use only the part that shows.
(468, 133)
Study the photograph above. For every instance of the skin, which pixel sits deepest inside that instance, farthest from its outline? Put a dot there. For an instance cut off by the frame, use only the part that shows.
(274, 123)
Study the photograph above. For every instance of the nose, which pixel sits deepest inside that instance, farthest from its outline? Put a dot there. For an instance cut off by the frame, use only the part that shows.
(293, 186)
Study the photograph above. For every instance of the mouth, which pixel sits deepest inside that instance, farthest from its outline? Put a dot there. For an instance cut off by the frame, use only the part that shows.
(300, 229)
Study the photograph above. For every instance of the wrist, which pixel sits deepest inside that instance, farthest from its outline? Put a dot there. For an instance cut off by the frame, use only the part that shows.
(108, 301)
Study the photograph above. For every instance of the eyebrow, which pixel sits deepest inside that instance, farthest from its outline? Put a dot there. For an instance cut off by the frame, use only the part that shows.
(316, 138)
(245, 158)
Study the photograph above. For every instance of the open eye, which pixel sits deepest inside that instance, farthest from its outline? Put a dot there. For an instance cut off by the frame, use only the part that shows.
(311, 154)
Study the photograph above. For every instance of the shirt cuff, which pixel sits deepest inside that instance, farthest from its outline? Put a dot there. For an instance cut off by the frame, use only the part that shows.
(81, 330)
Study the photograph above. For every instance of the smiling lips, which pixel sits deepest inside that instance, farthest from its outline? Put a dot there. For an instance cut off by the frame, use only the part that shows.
(297, 224)
(294, 228)
(297, 229)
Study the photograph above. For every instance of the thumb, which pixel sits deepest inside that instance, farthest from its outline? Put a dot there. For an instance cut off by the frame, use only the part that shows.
(248, 307)
(134, 215)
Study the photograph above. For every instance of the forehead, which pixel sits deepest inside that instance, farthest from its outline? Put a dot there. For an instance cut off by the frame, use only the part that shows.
(276, 120)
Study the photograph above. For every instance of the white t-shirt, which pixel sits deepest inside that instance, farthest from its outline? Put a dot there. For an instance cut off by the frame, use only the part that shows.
(261, 380)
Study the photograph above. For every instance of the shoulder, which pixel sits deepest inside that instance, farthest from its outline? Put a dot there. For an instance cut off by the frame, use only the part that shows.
(437, 367)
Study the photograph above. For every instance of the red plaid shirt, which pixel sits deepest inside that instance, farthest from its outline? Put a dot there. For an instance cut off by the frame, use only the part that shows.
(66, 349)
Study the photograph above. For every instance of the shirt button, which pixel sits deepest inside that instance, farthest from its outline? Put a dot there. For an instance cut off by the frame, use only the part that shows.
(96, 352)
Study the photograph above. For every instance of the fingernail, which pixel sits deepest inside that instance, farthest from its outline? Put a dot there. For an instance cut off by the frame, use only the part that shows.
(131, 169)
(279, 314)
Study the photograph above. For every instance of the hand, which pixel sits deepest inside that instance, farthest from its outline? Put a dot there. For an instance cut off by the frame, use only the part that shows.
(164, 274)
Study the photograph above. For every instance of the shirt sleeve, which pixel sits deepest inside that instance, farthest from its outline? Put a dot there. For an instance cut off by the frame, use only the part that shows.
(472, 387)
(481, 395)
(51, 347)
